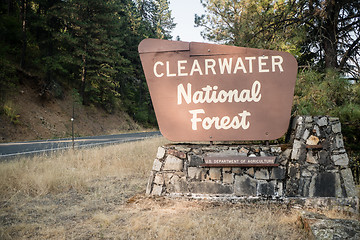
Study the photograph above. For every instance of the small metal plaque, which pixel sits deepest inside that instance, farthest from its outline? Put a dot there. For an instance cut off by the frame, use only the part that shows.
(239, 161)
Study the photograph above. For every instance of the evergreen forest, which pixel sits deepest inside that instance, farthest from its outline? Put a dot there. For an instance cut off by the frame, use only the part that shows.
(88, 46)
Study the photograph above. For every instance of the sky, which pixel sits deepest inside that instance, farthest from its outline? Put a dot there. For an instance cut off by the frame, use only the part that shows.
(184, 13)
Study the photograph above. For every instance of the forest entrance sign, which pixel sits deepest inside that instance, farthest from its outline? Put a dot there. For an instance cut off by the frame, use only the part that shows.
(208, 92)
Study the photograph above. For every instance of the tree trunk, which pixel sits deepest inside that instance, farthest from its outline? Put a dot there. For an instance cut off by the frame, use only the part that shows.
(10, 7)
(83, 78)
(330, 54)
(24, 37)
(330, 35)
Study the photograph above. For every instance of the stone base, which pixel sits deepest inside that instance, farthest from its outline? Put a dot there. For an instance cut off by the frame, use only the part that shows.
(177, 170)
(348, 205)
(313, 165)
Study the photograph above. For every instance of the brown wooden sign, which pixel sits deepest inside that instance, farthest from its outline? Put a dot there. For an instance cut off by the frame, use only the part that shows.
(239, 161)
(208, 92)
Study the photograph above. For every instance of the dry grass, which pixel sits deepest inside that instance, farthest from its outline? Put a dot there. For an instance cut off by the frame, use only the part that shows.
(99, 194)
(62, 171)
(181, 219)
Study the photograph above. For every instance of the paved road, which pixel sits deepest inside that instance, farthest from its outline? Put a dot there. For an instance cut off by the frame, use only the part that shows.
(10, 150)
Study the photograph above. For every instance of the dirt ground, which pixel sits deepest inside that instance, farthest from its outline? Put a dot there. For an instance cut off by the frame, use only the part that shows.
(40, 119)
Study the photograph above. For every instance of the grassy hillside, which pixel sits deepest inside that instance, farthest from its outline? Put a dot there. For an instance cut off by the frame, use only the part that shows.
(26, 114)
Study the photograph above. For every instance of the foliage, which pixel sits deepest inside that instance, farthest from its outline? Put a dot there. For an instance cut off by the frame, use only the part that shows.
(8, 79)
(244, 23)
(332, 94)
(322, 34)
(158, 15)
(86, 45)
(9, 110)
(327, 94)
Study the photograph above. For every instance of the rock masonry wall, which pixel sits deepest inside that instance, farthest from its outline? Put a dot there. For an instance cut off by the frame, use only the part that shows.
(318, 164)
(314, 164)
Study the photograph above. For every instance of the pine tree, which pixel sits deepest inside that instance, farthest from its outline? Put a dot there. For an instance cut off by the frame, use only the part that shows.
(92, 38)
(158, 14)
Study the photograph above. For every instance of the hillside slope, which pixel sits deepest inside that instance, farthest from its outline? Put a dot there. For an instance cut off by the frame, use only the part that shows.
(30, 117)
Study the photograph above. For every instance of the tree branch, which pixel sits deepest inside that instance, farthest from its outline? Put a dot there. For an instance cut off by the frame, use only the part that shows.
(347, 54)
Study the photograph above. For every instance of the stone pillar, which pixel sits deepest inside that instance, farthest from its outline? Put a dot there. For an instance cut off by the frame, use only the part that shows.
(318, 166)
